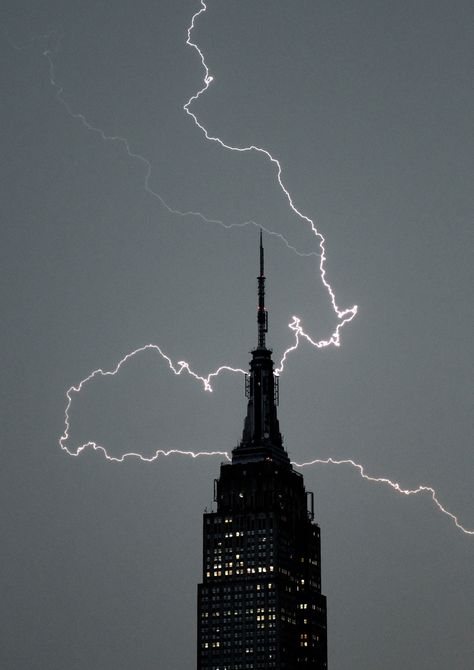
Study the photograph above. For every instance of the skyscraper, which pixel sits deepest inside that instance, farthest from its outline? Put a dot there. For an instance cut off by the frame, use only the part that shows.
(260, 604)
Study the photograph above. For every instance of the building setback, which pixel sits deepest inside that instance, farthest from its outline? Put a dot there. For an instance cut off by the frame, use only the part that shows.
(260, 604)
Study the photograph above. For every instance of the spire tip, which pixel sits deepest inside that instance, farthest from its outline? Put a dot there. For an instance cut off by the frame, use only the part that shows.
(262, 318)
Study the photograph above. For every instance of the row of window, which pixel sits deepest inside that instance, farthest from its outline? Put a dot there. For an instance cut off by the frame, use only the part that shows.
(260, 569)
(251, 524)
(235, 625)
(238, 588)
(259, 649)
(250, 637)
(245, 666)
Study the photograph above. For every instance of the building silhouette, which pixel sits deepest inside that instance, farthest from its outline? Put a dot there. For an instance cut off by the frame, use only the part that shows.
(260, 604)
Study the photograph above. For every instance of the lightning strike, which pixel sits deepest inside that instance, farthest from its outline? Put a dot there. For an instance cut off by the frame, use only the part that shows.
(181, 367)
(126, 146)
(394, 485)
(344, 315)
(177, 369)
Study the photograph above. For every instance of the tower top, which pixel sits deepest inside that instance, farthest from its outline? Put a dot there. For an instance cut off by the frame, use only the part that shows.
(261, 438)
(262, 314)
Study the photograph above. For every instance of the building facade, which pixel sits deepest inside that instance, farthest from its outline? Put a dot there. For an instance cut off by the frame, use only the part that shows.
(260, 603)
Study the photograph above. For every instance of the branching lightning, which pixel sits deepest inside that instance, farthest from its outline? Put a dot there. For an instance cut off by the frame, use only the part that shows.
(176, 368)
(344, 316)
(183, 366)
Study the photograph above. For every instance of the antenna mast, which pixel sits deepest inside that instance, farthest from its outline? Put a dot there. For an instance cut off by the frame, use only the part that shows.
(262, 315)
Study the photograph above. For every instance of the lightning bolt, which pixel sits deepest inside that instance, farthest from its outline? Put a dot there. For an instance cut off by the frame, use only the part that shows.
(394, 485)
(126, 146)
(183, 367)
(344, 315)
(176, 368)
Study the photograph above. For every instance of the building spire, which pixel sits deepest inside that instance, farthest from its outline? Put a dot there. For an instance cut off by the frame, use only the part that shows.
(261, 438)
(262, 314)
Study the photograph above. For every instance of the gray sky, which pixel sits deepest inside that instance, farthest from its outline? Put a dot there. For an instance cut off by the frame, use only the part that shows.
(368, 106)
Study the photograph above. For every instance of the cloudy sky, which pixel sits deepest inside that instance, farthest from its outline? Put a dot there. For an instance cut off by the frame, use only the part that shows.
(368, 105)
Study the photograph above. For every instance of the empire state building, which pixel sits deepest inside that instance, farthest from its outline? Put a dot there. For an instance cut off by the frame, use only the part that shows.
(260, 603)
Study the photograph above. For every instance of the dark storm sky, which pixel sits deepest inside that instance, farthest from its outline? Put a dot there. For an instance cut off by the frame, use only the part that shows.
(369, 106)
